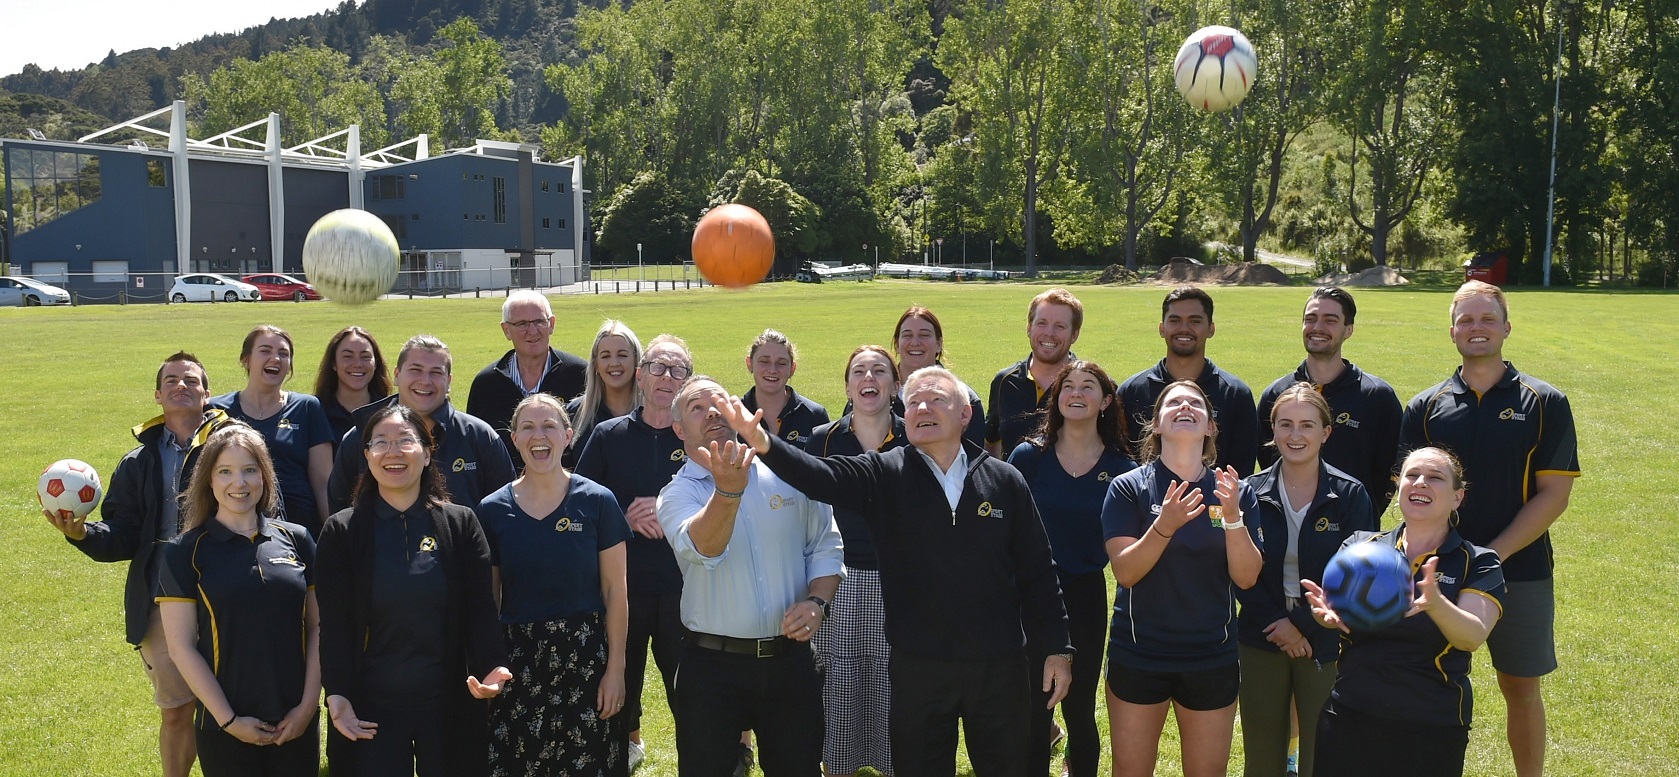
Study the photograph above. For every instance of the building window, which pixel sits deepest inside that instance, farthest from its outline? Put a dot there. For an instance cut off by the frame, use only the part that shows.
(413, 217)
(155, 177)
(50, 272)
(545, 186)
(413, 176)
(562, 223)
(501, 199)
(47, 184)
(391, 187)
(545, 223)
(479, 217)
(466, 216)
(399, 226)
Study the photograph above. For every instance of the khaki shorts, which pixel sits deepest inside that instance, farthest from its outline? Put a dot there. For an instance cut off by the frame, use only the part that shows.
(169, 688)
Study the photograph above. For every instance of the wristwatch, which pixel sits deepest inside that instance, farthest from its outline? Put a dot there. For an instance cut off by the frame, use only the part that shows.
(820, 602)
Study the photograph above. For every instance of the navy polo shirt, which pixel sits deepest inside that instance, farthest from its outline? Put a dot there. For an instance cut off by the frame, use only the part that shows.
(408, 607)
(1181, 617)
(1521, 429)
(469, 455)
(839, 439)
(1410, 671)
(632, 460)
(1364, 412)
(1017, 405)
(796, 420)
(550, 565)
(250, 593)
(300, 424)
(1233, 410)
(1071, 507)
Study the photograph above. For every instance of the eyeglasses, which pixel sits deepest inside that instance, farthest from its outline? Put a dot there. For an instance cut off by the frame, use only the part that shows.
(660, 369)
(404, 444)
(535, 323)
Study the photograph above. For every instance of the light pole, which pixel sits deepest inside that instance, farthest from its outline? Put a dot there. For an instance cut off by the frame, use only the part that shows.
(993, 254)
(1556, 115)
(640, 267)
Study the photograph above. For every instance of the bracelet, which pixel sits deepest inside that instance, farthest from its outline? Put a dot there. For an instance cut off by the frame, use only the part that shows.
(1228, 525)
(728, 494)
(223, 726)
(1157, 530)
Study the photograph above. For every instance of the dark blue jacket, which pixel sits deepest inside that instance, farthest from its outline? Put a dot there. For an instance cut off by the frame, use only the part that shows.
(1233, 411)
(470, 456)
(1340, 508)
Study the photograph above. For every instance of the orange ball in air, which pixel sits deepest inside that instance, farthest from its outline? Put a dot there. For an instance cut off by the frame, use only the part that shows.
(733, 246)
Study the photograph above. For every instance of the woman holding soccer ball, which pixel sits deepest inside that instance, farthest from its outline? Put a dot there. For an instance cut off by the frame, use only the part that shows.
(557, 543)
(1176, 555)
(240, 618)
(408, 618)
(1409, 682)
(1306, 509)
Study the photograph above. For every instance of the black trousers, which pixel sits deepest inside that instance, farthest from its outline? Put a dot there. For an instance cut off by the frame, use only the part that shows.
(656, 618)
(991, 699)
(718, 695)
(221, 754)
(1086, 599)
(410, 740)
(1350, 744)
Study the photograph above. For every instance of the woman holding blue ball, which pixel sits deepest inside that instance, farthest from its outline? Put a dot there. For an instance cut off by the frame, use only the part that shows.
(1409, 682)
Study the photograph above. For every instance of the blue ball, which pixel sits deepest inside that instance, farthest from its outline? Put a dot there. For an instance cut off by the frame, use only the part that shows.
(1369, 585)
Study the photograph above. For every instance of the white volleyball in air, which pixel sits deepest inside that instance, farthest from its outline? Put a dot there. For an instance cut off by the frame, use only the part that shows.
(1215, 68)
(351, 256)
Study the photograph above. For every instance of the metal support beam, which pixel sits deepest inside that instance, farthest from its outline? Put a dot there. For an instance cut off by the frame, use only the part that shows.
(276, 196)
(178, 141)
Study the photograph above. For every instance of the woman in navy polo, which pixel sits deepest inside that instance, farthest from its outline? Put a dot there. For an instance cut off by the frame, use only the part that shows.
(408, 617)
(557, 545)
(1306, 509)
(1409, 683)
(235, 593)
(1069, 462)
(856, 690)
(610, 389)
(1177, 557)
(352, 374)
(294, 424)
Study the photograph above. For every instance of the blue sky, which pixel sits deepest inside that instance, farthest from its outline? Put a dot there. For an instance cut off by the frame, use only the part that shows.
(69, 34)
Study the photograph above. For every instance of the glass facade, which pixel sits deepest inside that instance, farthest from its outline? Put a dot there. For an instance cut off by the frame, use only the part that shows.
(45, 184)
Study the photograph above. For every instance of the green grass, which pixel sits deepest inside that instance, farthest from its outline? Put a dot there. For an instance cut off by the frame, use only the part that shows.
(651, 272)
(73, 700)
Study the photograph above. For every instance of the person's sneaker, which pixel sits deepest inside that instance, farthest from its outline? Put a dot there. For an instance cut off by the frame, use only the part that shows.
(638, 751)
(747, 757)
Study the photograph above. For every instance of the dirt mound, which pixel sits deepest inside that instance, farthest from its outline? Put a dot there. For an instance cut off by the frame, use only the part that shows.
(1240, 274)
(1116, 273)
(1372, 276)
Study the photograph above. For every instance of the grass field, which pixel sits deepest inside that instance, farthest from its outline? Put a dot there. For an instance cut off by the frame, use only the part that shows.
(73, 700)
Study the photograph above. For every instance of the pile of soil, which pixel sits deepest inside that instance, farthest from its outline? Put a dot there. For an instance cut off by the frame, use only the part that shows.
(1240, 274)
(1372, 276)
(1116, 273)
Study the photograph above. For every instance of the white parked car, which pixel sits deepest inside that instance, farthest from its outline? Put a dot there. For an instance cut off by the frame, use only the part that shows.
(210, 287)
(30, 292)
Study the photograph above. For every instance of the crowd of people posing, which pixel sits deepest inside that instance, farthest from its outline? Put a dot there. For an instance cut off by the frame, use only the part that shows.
(477, 591)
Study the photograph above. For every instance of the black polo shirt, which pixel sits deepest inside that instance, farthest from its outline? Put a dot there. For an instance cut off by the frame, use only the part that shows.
(1521, 429)
(1365, 413)
(839, 439)
(250, 593)
(1410, 671)
(634, 460)
(469, 455)
(1017, 405)
(1233, 411)
(408, 607)
(797, 418)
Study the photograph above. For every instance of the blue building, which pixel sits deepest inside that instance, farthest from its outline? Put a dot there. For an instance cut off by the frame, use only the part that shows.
(107, 218)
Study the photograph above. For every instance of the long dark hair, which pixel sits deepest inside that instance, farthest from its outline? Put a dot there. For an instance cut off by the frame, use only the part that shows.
(326, 378)
(433, 491)
(1110, 424)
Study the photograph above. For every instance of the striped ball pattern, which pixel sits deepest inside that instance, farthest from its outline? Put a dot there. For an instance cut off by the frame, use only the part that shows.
(1215, 68)
(351, 256)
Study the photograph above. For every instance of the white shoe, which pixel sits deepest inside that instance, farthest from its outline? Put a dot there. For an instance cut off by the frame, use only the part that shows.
(638, 751)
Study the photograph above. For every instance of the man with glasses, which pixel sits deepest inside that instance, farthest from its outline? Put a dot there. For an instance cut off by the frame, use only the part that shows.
(635, 456)
(527, 321)
(472, 459)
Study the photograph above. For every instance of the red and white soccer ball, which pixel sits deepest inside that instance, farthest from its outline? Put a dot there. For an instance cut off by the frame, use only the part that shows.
(69, 488)
(1215, 68)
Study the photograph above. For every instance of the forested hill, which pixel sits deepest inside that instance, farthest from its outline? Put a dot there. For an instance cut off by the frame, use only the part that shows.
(532, 33)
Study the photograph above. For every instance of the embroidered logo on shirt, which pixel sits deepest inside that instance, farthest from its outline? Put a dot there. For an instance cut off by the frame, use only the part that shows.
(565, 523)
(678, 455)
(289, 560)
(1510, 414)
(778, 501)
(1346, 419)
(1442, 577)
(987, 511)
(285, 423)
(1323, 524)
(428, 544)
(793, 436)
(1102, 477)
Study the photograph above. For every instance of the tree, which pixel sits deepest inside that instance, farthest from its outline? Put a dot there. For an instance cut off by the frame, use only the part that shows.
(793, 218)
(315, 90)
(649, 211)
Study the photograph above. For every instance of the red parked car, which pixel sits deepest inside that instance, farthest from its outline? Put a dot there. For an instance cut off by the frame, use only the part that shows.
(279, 286)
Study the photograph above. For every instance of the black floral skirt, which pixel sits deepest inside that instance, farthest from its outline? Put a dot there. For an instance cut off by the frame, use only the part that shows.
(544, 722)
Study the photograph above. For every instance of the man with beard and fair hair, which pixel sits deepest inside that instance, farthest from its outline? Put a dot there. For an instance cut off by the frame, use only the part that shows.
(142, 512)
(1364, 410)
(1186, 324)
(966, 577)
(534, 364)
(760, 562)
(1515, 436)
(1018, 392)
(472, 458)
